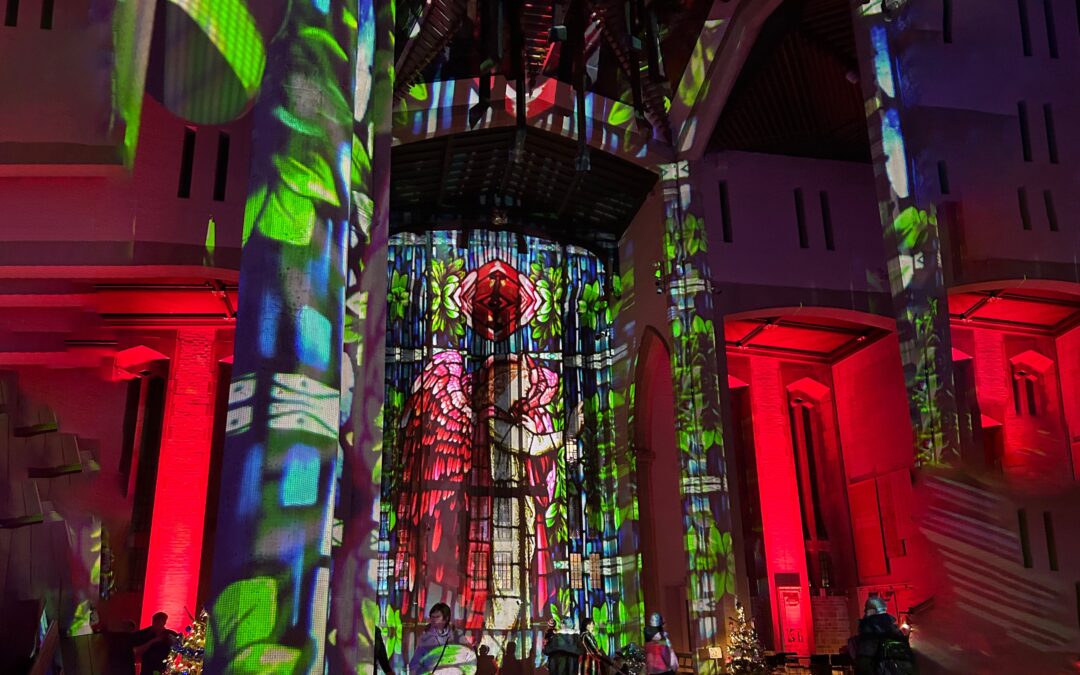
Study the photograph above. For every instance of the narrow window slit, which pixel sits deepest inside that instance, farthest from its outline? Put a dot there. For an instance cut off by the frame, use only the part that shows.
(800, 219)
(1025, 212)
(1025, 129)
(826, 220)
(221, 171)
(187, 159)
(725, 212)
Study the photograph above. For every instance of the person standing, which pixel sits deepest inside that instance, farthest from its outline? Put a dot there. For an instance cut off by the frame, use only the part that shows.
(563, 650)
(877, 629)
(660, 658)
(594, 661)
(439, 646)
(153, 645)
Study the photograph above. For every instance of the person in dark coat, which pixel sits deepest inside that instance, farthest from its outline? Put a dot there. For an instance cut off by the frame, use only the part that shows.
(563, 650)
(485, 662)
(876, 627)
(153, 644)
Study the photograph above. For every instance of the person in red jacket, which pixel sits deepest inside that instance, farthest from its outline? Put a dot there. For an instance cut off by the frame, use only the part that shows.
(660, 658)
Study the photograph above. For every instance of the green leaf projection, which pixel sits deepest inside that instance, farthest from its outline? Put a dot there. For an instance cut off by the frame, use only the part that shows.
(132, 26)
(270, 582)
(699, 434)
(369, 297)
(911, 233)
(453, 391)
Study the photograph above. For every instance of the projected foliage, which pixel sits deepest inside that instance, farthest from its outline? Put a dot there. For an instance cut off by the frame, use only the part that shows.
(271, 573)
(699, 428)
(912, 237)
(354, 612)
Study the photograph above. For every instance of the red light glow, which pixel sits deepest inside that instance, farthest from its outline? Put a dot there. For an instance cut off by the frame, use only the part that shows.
(176, 534)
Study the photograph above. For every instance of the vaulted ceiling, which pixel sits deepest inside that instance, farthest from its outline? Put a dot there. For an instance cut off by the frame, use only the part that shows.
(798, 93)
(472, 179)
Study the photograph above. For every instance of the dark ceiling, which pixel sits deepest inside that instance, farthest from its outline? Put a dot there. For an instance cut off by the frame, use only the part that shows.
(795, 94)
(459, 181)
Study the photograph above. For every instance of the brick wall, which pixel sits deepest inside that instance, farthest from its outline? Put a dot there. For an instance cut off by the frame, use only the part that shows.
(176, 535)
(832, 623)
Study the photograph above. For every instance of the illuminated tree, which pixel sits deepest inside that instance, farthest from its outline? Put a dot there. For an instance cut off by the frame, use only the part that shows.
(745, 654)
(186, 657)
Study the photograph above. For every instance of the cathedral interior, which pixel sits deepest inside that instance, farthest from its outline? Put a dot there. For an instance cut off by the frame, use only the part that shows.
(750, 313)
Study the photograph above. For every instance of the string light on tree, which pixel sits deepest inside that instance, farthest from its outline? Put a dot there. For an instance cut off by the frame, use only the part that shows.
(745, 654)
(186, 657)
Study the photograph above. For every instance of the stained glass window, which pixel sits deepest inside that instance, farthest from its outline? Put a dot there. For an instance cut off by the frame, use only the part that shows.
(498, 366)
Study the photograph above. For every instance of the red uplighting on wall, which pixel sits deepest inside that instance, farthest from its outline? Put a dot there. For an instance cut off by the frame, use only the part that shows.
(176, 534)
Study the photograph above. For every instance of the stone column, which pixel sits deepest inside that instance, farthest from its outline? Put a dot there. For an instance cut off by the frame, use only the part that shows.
(698, 418)
(272, 555)
(910, 226)
(355, 611)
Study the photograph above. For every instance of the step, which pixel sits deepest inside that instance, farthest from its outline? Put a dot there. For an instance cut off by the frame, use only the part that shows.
(55, 455)
(33, 419)
(21, 506)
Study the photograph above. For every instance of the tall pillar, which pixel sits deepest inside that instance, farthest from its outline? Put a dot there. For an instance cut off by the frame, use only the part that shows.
(910, 221)
(176, 530)
(272, 554)
(355, 612)
(698, 415)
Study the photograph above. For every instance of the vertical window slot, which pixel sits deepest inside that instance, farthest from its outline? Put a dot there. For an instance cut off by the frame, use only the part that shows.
(1078, 595)
(221, 171)
(826, 220)
(1025, 129)
(725, 211)
(46, 14)
(1051, 541)
(1051, 133)
(1051, 31)
(943, 177)
(800, 219)
(187, 160)
(946, 21)
(1025, 212)
(1025, 29)
(11, 13)
(1051, 212)
(1025, 540)
(811, 470)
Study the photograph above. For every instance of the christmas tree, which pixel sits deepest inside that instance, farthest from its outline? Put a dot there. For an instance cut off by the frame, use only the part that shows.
(186, 657)
(745, 655)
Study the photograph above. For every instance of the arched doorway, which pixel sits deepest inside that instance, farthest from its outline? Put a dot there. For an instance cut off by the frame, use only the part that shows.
(663, 553)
